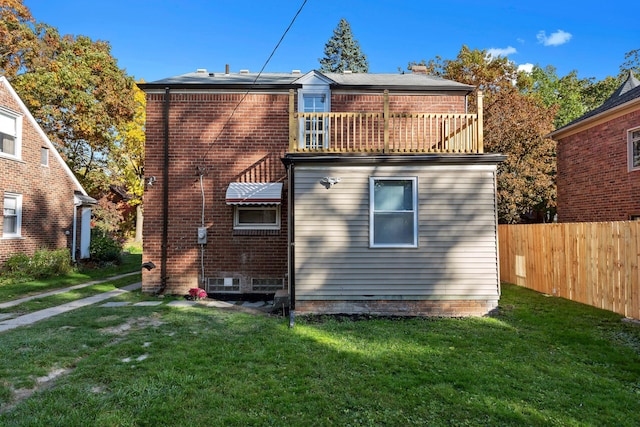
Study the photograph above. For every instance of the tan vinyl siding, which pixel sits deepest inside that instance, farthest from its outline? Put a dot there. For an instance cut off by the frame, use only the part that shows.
(456, 256)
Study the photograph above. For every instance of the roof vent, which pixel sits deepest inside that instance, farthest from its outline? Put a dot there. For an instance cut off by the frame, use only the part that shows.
(347, 72)
(201, 71)
(244, 71)
(295, 71)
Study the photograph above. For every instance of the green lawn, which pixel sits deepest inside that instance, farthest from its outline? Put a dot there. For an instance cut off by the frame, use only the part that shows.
(10, 290)
(539, 361)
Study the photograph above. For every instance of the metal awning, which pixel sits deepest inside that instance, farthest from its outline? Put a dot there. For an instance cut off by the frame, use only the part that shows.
(254, 193)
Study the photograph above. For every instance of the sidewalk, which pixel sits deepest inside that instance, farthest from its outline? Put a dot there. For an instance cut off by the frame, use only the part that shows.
(260, 307)
(30, 318)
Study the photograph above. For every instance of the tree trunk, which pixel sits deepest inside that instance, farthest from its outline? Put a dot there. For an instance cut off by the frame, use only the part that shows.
(139, 219)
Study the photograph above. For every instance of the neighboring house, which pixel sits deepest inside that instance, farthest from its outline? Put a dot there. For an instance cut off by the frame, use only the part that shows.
(45, 207)
(598, 160)
(358, 193)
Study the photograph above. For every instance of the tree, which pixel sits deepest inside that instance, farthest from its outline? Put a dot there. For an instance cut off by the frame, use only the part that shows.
(514, 125)
(342, 52)
(129, 161)
(80, 97)
(16, 36)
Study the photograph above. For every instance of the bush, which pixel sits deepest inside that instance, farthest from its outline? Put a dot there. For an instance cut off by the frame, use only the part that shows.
(104, 248)
(44, 263)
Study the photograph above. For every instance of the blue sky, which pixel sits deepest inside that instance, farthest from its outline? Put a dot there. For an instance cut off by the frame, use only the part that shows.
(154, 39)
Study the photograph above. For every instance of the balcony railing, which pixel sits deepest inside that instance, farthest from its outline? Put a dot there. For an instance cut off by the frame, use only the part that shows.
(385, 132)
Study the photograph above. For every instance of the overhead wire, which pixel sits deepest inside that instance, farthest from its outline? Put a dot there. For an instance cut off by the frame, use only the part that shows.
(255, 80)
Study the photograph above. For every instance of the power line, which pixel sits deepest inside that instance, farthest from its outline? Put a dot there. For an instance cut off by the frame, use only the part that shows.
(253, 84)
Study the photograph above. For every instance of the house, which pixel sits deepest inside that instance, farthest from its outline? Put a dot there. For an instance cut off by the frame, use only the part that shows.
(598, 160)
(357, 193)
(44, 204)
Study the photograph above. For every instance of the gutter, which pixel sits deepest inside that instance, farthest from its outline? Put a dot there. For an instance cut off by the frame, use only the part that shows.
(165, 195)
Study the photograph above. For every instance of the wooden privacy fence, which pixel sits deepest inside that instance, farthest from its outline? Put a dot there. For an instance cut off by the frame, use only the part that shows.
(591, 263)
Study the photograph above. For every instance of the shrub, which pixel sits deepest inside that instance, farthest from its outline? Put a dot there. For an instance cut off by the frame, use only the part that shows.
(44, 263)
(104, 248)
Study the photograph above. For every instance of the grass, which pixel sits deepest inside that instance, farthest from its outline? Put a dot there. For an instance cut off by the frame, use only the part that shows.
(539, 361)
(10, 290)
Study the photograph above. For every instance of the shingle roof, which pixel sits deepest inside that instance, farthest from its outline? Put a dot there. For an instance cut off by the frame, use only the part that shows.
(410, 81)
(628, 91)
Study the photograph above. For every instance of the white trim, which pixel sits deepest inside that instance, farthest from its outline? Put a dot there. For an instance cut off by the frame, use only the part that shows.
(256, 226)
(372, 211)
(630, 150)
(16, 133)
(18, 198)
(36, 126)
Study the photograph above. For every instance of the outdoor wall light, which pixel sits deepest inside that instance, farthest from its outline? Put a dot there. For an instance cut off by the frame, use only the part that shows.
(151, 180)
(329, 181)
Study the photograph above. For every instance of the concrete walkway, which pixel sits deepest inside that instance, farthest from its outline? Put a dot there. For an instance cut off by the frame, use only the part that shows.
(63, 290)
(30, 318)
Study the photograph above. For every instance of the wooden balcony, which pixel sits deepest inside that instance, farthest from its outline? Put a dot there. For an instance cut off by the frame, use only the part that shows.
(385, 132)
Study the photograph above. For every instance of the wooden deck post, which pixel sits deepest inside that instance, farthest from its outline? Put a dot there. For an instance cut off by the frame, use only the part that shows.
(293, 128)
(480, 124)
(385, 119)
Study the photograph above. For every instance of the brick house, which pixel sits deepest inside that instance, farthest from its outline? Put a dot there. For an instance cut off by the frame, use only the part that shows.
(598, 160)
(356, 193)
(44, 204)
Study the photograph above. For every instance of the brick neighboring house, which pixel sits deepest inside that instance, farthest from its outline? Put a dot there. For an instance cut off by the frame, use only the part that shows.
(44, 204)
(356, 193)
(598, 159)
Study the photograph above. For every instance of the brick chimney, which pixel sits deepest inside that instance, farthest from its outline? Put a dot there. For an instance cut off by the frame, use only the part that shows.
(419, 69)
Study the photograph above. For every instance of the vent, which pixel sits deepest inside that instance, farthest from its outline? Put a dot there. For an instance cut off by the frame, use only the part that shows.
(221, 285)
(267, 285)
(244, 71)
(201, 71)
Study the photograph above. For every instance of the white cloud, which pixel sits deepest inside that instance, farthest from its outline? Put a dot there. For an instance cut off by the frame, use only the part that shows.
(495, 52)
(525, 67)
(555, 39)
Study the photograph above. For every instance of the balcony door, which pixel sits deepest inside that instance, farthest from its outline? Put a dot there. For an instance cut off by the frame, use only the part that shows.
(314, 127)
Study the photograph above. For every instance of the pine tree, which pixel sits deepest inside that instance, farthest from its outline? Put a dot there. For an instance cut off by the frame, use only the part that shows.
(342, 52)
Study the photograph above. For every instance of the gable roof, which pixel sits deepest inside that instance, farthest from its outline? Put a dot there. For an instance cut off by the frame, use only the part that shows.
(628, 93)
(52, 149)
(202, 79)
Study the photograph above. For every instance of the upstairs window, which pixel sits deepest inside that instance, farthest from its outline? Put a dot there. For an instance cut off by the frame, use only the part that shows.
(44, 156)
(634, 149)
(10, 133)
(12, 215)
(315, 135)
(393, 212)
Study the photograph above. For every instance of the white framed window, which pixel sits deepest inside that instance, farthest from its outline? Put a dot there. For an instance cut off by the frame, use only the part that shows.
(10, 134)
(12, 216)
(633, 141)
(256, 217)
(44, 156)
(314, 131)
(393, 212)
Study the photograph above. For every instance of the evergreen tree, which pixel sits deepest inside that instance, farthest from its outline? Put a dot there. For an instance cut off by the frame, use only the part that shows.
(342, 52)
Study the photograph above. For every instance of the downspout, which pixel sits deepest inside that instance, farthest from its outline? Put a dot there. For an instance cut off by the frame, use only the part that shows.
(75, 230)
(165, 196)
(292, 246)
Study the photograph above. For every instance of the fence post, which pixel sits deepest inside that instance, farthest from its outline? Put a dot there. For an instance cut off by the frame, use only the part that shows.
(480, 125)
(385, 118)
(293, 128)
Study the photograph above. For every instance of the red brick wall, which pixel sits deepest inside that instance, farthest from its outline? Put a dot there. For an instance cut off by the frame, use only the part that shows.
(593, 180)
(246, 147)
(47, 193)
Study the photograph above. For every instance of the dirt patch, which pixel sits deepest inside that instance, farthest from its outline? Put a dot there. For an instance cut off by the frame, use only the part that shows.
(42, 383)
(132, 324)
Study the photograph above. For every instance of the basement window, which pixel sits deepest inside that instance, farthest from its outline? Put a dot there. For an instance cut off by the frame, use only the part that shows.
(256, 217)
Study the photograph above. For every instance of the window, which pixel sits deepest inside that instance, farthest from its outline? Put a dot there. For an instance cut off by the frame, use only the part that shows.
(12, 220)
(10, 132)
(634, 149)
(393, 212)
(44, 156)
(256, 217)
